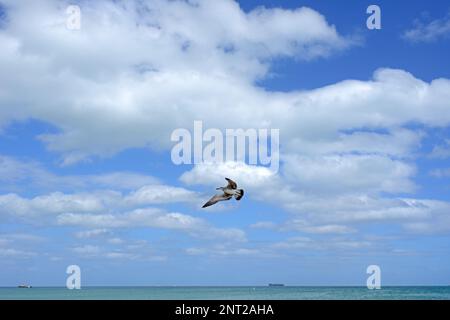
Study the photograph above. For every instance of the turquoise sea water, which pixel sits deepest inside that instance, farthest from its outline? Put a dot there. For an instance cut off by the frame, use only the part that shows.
(227, 293)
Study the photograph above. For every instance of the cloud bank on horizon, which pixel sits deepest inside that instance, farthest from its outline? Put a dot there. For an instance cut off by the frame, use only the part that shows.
(351, 151)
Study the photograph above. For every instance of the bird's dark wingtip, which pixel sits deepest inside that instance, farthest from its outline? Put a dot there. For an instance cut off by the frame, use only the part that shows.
(239, 197)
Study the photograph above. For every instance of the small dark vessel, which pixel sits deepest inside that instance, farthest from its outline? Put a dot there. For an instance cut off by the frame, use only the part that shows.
(24, 286)
(276, 285)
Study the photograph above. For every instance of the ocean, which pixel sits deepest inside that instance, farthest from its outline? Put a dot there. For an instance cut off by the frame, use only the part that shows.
(227, 293)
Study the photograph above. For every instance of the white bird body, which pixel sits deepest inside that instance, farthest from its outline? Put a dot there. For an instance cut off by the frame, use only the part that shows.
(229, 191)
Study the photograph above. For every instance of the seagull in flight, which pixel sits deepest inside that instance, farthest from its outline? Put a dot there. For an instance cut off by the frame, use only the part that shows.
(229, 192)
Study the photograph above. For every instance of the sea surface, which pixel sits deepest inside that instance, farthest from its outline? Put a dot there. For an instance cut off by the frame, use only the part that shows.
(227, 293)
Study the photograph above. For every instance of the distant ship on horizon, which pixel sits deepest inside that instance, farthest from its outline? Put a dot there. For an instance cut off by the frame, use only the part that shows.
(24, 286)
(276, 285)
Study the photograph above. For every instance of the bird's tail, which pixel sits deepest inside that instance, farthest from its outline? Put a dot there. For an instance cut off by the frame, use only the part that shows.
(239, 194)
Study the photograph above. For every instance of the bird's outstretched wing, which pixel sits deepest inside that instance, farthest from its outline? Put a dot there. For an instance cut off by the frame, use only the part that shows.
(231, 184)
(216, 198)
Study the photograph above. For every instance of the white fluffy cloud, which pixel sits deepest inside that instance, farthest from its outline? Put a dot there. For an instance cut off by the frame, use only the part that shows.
(15, 172)
(109, 192)
(103, 210)
(138, 70)
(134, 250)
(309, 243)
(430, 31)
(93, 233)
(441, 151)
(333, 195)
(440, 173)
(213, 174)
(131, 75)
(335, 214)
(350, 173)
(13, 205)
(9, 253)
(141, 67)
(159, 194)
(153, 218)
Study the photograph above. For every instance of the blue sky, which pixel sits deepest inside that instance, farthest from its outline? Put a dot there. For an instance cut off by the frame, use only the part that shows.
(86, 175)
